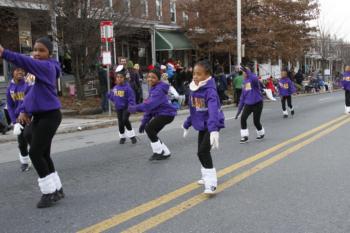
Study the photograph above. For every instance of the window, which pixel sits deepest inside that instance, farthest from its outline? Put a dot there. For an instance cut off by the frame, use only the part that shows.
(144, 8)
(173, 11)
(159, 4)
(127, 6)
(185, 18)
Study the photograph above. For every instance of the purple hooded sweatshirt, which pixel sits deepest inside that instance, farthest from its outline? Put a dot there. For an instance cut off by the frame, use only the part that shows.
(345, 82)
(15, 96)
(157, 103)
(42, 95)
(286, 87)
(205, 109)
(122, 96)
(251, 93)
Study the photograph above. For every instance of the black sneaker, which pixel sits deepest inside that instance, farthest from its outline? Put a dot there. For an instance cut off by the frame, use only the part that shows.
(25, 167)
(60, 193)
(157, 156)
(163, 157)
(47, 200)
(292, 112)
(243, 140)
(122, 141)
(260, 137)
(133, 140)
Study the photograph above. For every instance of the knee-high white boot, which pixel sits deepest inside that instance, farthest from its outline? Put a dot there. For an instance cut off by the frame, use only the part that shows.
(244, 135)
(210, 180)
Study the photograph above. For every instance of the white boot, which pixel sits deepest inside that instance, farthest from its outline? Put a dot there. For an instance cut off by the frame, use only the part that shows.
(158, 151)
(58, 184)
(131, 135)
(347, 110)
(201, 181)
(157, 147)
(47, 185)
(260, 134)
(285, 114)
(122, 138)
(165, 150)
(244, 135)
(210, 180)
(291, 111)
(48, 189)
(25, 162)
(56, 180)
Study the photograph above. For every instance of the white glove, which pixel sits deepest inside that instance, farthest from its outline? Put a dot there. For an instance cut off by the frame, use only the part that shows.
(214, 139)
(185, 132)
(17, 129)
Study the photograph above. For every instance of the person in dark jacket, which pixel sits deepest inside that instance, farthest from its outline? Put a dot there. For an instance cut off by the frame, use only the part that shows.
(102, 77)
(41, 109)
(207, 118)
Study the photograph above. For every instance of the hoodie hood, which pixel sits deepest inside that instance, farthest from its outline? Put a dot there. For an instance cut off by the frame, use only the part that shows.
(164, 87)
(208, 83)
(346, 74)
(57, 67)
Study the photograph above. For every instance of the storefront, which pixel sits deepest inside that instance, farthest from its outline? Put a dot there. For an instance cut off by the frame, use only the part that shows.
(174, 45)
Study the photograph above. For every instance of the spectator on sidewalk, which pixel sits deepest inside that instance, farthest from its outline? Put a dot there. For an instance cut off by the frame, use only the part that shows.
(237, 85)
(102, 77)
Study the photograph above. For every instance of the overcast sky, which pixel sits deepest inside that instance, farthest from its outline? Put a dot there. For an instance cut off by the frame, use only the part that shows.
(335, 16)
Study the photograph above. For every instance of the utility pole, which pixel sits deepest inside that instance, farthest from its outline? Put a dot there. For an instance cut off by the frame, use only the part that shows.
(239, 32)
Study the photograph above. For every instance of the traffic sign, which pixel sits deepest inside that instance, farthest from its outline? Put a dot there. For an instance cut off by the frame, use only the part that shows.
(106, 28)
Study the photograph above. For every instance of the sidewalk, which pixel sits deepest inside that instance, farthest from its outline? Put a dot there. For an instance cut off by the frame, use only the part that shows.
(73, 124)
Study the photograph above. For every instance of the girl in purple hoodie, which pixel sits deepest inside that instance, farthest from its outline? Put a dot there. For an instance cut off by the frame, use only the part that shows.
(207, 118)
(286, 89)
(345, 82)
(41, 110)
(15, 96)
(122, 95)
(158, 112)
(251, 102)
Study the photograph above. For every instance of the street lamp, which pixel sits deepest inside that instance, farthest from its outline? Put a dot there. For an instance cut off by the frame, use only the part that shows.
(239, 33)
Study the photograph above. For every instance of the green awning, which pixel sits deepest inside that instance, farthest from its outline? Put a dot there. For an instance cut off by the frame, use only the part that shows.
(166, 40)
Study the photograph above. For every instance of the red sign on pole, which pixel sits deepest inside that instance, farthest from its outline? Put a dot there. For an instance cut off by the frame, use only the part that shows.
(106, 28)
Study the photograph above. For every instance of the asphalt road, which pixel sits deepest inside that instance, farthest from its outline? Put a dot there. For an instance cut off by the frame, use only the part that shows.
(296, 180)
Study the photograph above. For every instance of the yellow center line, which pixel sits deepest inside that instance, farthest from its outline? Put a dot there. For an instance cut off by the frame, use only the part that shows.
(143, 208)
(188, 204)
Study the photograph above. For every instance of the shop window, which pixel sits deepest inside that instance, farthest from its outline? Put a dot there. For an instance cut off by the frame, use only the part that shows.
(173, 11)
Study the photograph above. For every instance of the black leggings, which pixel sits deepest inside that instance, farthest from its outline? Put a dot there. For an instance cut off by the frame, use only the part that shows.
(347, 98)
(42, 130)
(123, 120)
(22, 144)
(289, 102)
(204, 148)
(157, 124)
(256, 109)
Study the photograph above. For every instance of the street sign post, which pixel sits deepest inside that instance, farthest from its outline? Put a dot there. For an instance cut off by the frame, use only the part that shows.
(106, 28)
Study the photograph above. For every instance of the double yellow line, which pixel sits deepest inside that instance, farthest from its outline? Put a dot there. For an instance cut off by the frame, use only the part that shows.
(197, 199)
